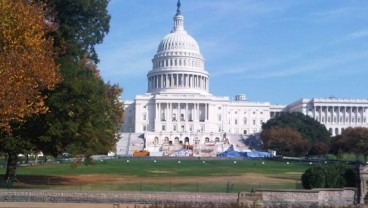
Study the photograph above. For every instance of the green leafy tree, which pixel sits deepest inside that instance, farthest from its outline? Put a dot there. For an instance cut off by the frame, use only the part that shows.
(310, 130)
(82, 24)
(85, 115)
(329, 176)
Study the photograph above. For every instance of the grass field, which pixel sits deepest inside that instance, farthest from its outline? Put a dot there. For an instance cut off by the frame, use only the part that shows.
(162, 174)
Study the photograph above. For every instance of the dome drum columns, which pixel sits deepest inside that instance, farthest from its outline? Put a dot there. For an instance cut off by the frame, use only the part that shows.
(177, 80)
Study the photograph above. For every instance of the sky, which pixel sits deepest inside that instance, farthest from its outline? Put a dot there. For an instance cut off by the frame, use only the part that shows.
(271, 51)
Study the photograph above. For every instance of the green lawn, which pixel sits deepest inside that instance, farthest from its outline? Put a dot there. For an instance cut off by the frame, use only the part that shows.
(164, 168)
(145, 167)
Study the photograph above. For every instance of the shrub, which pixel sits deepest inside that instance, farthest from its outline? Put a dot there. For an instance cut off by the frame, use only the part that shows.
(329, 176)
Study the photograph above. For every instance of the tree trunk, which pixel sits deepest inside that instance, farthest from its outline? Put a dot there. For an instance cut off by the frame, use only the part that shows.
(11, 167)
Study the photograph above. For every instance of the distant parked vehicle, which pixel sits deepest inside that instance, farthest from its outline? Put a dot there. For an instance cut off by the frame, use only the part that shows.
(141, 153)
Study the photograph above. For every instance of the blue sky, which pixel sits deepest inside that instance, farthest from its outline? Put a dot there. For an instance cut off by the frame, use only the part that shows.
(271, 50)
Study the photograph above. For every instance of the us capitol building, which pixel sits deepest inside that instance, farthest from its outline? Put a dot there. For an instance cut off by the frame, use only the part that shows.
(178, 112)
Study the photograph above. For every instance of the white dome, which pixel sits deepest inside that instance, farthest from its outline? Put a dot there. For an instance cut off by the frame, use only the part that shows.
(179, 40)
(178, 65)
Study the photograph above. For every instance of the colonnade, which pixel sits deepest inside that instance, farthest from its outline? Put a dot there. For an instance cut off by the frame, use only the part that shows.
(175, 62)
(181, 112)
(336, 118)
(340, 114)
(172, 80)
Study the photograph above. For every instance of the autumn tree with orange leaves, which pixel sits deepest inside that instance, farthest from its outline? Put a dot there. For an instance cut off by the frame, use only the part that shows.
(27, 64)
(286, 141)
(27, 68)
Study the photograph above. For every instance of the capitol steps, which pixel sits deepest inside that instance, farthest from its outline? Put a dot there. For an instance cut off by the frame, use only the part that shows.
(238, 142)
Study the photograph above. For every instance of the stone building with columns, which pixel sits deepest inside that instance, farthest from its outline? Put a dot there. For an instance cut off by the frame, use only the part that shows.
(179, 110)
(336, 114)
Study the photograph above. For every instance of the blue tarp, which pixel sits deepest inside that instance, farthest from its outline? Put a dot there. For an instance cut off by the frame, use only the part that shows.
(258, 154)
(254, 154)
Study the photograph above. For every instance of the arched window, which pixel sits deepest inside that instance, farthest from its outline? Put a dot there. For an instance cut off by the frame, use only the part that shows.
(166, 141)
(155, 141)
(186, 140)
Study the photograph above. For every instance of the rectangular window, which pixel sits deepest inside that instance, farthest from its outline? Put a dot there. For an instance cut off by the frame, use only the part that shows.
(254, 122)
(163, 128)
(174, 117)
(144, 128)
(174, 127)
(219, 117)
(236, 122)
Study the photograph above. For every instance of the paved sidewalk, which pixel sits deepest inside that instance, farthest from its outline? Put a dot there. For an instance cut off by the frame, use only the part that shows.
(65, 205)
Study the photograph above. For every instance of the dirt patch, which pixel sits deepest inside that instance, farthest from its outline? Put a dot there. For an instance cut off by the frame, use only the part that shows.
(249, 178)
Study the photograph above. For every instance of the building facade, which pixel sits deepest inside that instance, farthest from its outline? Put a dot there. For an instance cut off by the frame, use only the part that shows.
(336, 114)
(179, 111)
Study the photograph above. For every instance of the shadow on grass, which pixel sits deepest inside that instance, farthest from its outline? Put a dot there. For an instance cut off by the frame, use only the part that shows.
(36, 181)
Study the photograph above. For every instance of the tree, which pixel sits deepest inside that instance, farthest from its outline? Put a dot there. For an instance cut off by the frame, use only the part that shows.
(27, 67)
(329, 176)
(352, 140)
(309, 129)
(85, 113)
(285, 141)
(319, 148)
(81, 25)
(27, 64)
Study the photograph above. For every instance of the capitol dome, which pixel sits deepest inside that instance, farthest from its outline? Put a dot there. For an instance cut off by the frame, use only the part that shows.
(178, 41)
(178, 65)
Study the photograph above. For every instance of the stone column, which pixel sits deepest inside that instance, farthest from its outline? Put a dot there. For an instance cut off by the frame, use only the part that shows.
(156, 111)
(159, 111)
(162, 81)
(351, 114)
(186, 115)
